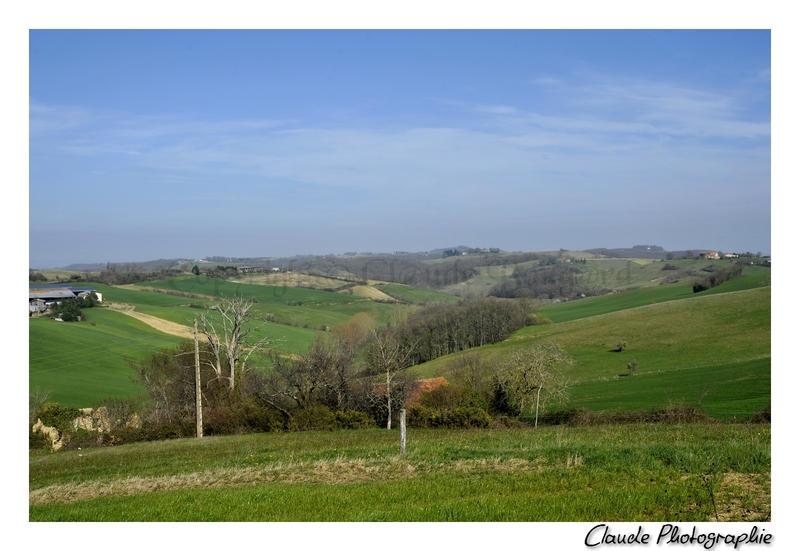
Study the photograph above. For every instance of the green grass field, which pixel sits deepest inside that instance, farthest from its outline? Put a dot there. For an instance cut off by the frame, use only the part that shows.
(83, 363)
(266, 294)
(415, 295)
(673, 342)
(754, 277)
(594, 306)
(733, 390)
(303, 308)
(632, 473)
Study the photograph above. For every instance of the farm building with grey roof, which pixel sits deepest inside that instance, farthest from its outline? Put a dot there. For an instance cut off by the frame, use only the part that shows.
(41, 296)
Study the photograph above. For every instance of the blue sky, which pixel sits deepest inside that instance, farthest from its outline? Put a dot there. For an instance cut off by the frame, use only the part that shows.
(163, 144)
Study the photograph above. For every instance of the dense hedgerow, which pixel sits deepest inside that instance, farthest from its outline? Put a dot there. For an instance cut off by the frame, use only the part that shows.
(718, 278)
(580, 417)
(451, 418)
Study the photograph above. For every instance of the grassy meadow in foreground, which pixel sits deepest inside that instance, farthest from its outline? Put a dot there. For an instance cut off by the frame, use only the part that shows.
(638, 473)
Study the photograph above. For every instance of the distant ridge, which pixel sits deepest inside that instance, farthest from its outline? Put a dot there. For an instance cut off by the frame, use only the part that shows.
(147, 265)
(644, 251)
(637, 251)
(96, 267)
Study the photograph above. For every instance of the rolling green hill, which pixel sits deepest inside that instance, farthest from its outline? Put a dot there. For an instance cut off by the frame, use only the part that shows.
(593, 306)
(82, 363)
(715, 346)
(677, 337)
(265, 294)
(415, 295)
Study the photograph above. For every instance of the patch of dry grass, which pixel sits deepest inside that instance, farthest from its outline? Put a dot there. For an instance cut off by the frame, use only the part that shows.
(334, 471)
(744, 498)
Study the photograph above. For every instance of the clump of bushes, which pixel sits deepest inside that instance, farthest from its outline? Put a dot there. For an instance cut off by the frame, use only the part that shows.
(452, 407)
(320, 417)
(450, 396)
(763, 416)
(537, 319)
(70, 309)
(53, 414)
(149, 432)
(452, 418)
(352, 419)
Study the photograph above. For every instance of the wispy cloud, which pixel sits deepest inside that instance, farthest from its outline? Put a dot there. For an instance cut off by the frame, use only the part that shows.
(631, 107)
(606, 138)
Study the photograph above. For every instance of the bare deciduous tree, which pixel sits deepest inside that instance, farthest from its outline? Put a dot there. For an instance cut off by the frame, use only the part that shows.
(229, 335)
(388, 355)
(536, 375)
(468, 370)
(290, 383)
(36, 399)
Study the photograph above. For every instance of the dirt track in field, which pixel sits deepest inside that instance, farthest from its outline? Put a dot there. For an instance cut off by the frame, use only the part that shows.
(164, 326)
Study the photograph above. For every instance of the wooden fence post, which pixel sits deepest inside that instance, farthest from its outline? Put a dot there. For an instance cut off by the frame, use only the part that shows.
(402, 431)
(198, 387)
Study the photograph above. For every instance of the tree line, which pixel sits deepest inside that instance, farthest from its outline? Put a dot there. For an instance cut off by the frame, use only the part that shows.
(125, 274)
(718, 277)
(549, 281)
(409, 269)
(441, 329)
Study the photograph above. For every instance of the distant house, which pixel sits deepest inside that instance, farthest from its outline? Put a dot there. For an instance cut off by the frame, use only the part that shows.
(730, 255)
(711, 254)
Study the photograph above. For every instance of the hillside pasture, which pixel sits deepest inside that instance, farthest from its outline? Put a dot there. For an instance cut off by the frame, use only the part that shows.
(684, 337)
(291, 279)
(82, 363)
(725, 391)
(593, 306)
(415, 295)
(606, 304)
(266, 294)
(488, 277)
(299, 307)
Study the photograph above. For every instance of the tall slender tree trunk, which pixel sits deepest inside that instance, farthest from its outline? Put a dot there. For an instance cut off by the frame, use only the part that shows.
(389, 400)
